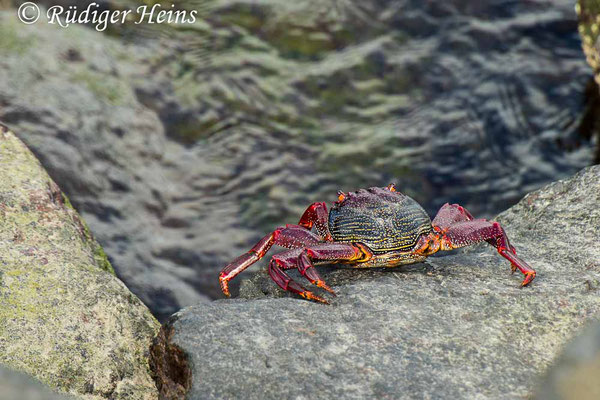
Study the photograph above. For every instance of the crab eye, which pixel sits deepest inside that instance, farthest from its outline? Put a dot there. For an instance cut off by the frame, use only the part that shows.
(341, 195)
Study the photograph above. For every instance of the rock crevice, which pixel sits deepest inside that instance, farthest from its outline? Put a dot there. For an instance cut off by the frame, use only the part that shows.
(170, 366)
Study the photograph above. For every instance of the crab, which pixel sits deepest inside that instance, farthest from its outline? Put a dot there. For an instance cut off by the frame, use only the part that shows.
(375, 227)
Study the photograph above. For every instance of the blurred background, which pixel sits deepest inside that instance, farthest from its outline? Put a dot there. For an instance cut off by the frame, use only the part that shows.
(182, 145)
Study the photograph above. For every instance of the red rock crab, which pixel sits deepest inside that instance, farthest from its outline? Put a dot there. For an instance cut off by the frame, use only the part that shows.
(376, 227)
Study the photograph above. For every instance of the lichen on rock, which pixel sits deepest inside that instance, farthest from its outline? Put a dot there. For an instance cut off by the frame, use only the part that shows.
(588, 12)
(64, 317)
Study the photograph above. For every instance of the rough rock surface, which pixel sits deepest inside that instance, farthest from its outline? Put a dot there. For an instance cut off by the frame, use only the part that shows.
(575, 374)
(588, 12)
(18, 386)
(64, 317)
(457, 326)
(241, 120)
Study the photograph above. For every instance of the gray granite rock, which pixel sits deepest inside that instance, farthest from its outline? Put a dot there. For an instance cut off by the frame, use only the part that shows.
(457, 326)
(18, 386)
(575, 374)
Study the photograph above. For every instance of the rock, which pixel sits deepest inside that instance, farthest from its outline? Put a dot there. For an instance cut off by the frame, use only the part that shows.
(15, 385)
(182, 145)
(457, 326)
(64, 317)
(575, 374)
(588, 12)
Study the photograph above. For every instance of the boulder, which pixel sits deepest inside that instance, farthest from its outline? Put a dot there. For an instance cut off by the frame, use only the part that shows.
(16, 385)
(65, 318)
(456, 326)
(575, 374)
(588, 13)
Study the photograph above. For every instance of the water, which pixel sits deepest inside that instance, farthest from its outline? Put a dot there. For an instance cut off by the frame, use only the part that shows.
(262, 108)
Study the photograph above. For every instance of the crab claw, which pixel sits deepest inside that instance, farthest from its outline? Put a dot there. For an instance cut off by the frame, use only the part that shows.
(529, 276)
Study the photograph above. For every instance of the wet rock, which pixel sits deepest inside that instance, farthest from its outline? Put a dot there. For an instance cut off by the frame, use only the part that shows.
(457, 326)
(575, 374)
(16, 385)
(64, 317)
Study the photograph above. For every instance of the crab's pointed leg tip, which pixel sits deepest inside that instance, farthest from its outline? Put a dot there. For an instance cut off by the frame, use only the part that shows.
(225, 288)
(325, 286)
(321, 300)
(314, 297)
(528, 279)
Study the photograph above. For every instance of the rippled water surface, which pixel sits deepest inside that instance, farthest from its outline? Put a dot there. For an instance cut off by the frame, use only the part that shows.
(203, 138)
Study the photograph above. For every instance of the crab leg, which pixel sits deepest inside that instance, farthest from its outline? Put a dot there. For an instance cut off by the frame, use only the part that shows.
(316, 214)
(469, 232)
(319, 252)
(286, 283)
(308, 270)
(292, 236)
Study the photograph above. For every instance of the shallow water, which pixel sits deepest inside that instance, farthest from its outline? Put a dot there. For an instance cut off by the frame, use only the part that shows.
(233, 126)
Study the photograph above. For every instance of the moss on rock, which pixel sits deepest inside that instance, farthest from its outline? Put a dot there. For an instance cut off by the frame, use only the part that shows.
(64, 317)
(588, 12)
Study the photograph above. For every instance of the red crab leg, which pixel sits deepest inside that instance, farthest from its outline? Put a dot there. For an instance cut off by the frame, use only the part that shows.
(469, 232)
(321, 252)
(308, 270)
(316, 214)
(286, 283)
(297, 258)
(292, 236)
